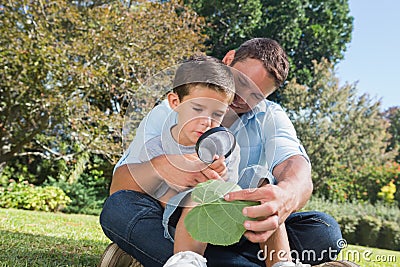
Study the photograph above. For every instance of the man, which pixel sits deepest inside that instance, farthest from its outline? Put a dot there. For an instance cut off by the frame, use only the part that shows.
(274, 167)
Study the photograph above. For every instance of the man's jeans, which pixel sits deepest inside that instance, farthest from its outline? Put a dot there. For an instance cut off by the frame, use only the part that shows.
(134, 221)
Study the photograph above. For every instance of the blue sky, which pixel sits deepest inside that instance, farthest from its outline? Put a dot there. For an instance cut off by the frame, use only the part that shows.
(373, 56)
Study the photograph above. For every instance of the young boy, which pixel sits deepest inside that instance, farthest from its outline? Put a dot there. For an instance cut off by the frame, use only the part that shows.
(202, 91)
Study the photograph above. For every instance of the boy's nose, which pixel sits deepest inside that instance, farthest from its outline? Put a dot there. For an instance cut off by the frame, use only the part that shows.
(206, 121)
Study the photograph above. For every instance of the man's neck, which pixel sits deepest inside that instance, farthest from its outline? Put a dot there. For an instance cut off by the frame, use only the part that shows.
(229, 118)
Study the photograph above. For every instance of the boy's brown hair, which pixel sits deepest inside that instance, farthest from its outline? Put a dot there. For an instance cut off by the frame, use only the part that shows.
(207, 71)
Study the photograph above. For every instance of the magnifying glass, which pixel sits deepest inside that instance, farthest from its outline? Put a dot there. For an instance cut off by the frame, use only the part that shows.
(216, 141)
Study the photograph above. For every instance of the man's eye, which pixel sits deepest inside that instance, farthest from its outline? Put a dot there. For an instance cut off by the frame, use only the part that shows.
(258, 97)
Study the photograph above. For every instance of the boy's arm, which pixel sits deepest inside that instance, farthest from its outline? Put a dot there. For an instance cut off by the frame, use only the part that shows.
(162, 168)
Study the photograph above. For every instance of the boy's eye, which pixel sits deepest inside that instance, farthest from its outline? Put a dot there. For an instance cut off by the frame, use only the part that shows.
(197, 109)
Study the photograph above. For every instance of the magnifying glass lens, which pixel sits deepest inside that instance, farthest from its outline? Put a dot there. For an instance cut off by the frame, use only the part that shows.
(216, 141)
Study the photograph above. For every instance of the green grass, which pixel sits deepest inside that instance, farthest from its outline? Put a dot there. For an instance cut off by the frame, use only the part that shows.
(30, 238)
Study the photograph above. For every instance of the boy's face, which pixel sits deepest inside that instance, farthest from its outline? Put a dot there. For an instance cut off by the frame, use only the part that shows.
(252, 89)
(200, 110)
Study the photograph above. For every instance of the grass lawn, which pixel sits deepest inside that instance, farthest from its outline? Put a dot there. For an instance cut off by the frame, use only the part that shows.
(29, 238)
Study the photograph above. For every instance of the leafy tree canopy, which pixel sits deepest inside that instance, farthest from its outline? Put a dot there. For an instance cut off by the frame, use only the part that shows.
(66, 69)
(393, 117)
(338, 128)
(307, 29)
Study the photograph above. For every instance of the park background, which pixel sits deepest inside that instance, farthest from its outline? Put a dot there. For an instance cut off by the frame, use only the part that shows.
(70, 69)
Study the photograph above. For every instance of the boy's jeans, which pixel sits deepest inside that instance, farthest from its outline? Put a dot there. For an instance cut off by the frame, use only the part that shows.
(134, 221)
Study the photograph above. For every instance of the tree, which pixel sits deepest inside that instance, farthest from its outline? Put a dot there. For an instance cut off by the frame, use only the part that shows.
(339, 129)
(229, 22)
(307, 29)
(67, 70)
(393, 116)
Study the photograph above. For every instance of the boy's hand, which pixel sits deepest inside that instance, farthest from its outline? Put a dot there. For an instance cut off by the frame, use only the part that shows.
(183, 171)
(219, 166)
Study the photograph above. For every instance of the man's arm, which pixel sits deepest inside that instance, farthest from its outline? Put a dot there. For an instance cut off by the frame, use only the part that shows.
(294, 177)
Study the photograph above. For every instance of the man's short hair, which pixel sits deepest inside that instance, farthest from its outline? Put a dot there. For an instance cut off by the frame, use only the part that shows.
(270, 53)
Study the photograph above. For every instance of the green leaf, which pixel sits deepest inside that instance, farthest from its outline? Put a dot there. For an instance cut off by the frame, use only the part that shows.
(212, 190)
(214, 220)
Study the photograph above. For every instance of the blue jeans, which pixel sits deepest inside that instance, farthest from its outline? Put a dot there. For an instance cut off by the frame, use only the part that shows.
(134, 221)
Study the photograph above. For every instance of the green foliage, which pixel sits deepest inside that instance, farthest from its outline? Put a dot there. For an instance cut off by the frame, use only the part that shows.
(33, 169)
(393, 116)
(23, 195)
(364, 183)
(363, 223)
(66, 71)
(307, 29)
(87, 193)
(344, 135)
(215, 220)
(229, 22)
(367, 231)
(389, 236)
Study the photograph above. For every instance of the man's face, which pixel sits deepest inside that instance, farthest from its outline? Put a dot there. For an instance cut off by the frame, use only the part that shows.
(252, 87)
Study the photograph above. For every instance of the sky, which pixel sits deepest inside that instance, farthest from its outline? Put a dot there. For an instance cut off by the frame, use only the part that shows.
(373, 55)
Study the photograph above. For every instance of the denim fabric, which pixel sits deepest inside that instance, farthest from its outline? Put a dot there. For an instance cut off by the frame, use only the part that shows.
(134, 221)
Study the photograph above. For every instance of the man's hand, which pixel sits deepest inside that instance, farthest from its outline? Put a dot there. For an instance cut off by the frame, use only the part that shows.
(271, 212)
(277, 202)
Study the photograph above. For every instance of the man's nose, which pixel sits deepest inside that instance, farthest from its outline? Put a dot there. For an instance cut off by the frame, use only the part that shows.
(240, 100)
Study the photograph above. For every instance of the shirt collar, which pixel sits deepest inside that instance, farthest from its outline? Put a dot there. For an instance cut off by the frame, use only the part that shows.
(244, 118)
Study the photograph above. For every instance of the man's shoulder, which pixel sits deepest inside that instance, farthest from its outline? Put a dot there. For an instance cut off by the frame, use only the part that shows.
(268, 107)
(271, 105)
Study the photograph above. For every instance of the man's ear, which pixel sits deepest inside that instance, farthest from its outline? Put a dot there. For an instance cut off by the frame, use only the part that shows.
(228, 58)
(173, 100)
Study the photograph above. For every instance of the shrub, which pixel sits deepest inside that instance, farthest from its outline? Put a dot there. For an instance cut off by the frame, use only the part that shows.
(389, 236)
(387, 192)
(27, 196)
(348, 225)
(367, 231)
(363, 223)
(362, 184)
(88, 192)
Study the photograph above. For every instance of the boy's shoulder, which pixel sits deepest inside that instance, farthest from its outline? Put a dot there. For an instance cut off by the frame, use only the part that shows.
(153, 141)
(151, 149)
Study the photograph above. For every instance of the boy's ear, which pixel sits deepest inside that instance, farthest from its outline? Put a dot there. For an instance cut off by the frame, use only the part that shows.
(228, 58)
(173, 100)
